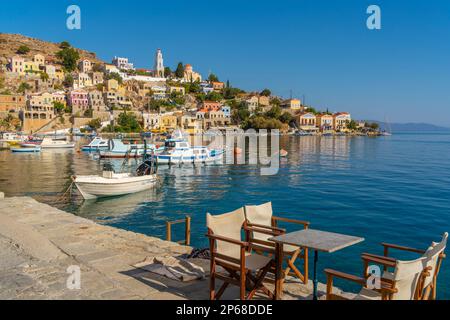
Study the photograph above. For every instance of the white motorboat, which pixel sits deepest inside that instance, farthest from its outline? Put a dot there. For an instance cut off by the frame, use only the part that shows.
(11, 138)
(49, 143)
(118, 149)
(178, 150)
(112, 184)
(96, 144)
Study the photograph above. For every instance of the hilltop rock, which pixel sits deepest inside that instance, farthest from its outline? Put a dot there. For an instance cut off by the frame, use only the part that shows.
(9, 43)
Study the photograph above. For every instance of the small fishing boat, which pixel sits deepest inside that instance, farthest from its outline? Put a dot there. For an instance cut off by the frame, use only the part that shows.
(118, 149)
(111, 184)
(96, 144)
(26, 150)
(178, 150)
(49, 143)
(11, 138)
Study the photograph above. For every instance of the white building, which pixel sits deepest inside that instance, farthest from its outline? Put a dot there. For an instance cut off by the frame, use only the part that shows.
(151, 120)
(122, 63)
(159, 64)
(85, 66)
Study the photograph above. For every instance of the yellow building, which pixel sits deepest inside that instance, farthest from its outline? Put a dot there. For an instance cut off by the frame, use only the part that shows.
(169, 122)
(325, 122)
(112, 84)
(191, 125)
(39, 60)
(292, 104)
(30, 66)
(175, 89)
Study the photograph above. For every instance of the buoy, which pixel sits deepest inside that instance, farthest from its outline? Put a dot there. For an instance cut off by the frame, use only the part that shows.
(283, 153)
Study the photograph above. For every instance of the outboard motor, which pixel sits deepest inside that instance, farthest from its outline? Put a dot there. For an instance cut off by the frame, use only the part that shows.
(108, 170)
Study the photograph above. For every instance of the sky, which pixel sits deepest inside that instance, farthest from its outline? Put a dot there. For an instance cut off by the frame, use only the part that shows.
(321, 50)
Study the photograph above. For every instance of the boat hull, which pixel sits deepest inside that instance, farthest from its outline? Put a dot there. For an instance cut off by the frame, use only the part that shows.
(169, 159)
(92, 187)
(26, 150)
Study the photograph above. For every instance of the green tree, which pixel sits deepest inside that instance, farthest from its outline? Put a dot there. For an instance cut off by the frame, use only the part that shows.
(214, 96)
(352, 125)
(68, 80)
(179, 72)
(274, 112)
(44, 76)
(23, 49)
(23, 87)
(59, 106)
(266, 93)
(115, 76)
(95, 124)
(286, 117)
(167, 72)
(69, 58)
(213, 78)
(64, 45)
(127, 122)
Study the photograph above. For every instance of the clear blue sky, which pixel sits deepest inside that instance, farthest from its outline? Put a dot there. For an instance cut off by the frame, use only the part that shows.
(317, 48)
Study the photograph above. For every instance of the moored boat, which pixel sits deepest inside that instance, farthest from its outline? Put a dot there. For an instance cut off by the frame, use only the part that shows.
(96, 144)
(26, 150)
(49, 143)
(118, 149)
(178, 151)
(111, 184)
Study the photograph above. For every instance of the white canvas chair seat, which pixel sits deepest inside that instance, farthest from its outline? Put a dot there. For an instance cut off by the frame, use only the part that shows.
(262, 215)
(431, 257)
(245, 269)
(403, 283)
(253, 262)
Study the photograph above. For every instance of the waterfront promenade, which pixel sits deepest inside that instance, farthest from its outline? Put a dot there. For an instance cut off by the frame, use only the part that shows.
(38, 243)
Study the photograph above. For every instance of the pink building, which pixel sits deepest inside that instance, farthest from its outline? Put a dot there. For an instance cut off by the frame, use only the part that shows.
(79, 101)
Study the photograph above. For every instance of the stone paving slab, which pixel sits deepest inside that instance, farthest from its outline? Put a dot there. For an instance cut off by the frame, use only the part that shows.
(104, 254)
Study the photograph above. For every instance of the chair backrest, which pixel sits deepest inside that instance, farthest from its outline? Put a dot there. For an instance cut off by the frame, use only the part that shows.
(432, 257)
(262, 215)
(227, 225)
(406, 278)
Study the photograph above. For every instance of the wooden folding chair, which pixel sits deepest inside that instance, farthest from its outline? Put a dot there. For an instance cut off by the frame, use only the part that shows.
(260, 218)
(245, 270)
(405, 283)
(434, 256)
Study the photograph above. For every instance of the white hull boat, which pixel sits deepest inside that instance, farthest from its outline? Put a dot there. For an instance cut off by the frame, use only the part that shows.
(179, 151)
(49, 143)
(96, 144)
(92, 187)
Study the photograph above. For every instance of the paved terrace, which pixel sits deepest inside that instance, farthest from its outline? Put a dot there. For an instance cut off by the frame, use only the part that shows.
(38, 243)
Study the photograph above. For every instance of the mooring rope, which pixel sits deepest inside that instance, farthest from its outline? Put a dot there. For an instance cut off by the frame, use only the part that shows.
(69, 190)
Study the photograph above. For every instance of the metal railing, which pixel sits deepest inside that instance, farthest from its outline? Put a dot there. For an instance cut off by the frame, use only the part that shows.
(187, 234)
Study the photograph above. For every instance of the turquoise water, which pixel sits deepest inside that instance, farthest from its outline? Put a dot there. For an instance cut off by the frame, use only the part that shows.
(393, 189)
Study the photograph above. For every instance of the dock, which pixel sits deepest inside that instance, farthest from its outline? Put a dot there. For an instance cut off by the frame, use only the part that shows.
(40, 243)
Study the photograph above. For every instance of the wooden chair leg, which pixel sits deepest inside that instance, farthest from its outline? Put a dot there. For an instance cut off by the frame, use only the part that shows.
(222, 290)
(329, 287)
(212, 286)
(259, 281)
(305, 266)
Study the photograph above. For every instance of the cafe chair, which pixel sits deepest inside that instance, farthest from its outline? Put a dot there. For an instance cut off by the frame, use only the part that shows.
(261, 217)
(244, 269)
(434, 256)
(405, 283)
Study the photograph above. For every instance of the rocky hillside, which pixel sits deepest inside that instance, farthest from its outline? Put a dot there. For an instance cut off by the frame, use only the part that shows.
(9, 43)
